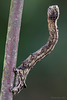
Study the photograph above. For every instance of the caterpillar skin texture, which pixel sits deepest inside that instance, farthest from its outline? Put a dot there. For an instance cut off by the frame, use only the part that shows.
(22, 71)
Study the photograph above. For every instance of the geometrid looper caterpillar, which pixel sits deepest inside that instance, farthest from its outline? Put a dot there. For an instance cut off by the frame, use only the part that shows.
(22, 71)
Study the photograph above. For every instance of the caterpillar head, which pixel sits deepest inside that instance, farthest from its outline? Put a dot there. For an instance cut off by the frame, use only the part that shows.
(53, 12)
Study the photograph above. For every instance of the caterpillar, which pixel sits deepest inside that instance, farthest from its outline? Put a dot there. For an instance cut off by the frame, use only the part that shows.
(22, 71)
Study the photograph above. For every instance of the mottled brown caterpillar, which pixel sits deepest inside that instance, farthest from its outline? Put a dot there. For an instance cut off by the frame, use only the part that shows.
(22, 71)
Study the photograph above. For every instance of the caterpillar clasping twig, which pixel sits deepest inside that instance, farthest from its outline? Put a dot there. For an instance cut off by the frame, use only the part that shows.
(23, 70)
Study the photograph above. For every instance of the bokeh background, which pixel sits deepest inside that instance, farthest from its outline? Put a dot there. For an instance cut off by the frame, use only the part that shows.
(48, 79)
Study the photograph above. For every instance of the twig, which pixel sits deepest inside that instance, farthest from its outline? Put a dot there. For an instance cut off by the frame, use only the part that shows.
(11, 48)
(23, 70)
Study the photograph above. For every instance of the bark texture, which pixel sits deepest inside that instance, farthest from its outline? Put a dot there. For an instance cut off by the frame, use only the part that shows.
(11, 48)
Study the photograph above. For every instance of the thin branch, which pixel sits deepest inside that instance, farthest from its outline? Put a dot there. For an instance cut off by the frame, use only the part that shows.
(11, 48)
(23, 70)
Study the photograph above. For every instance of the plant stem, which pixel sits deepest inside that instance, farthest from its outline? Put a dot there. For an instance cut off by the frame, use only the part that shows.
(11, 48)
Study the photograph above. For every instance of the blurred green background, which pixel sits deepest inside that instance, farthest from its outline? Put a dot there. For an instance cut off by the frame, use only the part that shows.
(48, 79)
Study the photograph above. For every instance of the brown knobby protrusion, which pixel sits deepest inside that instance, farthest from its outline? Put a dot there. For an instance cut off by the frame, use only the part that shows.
(23, 70)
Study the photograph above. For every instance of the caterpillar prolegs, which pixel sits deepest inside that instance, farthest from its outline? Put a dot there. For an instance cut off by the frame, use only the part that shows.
(22, 71)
